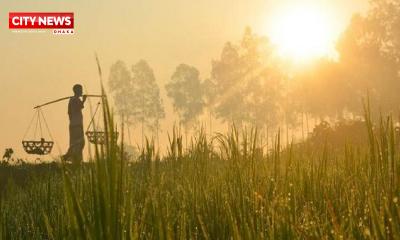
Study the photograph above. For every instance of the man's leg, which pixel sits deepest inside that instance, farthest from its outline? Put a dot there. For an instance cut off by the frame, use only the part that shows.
(69, 154)
(78, 157)
(79, 143)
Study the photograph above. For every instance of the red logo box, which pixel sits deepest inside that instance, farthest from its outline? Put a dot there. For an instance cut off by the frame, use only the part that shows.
(41, 20)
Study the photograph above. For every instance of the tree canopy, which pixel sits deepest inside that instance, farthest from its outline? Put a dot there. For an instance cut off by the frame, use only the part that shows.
(186, 92)
(136, 93)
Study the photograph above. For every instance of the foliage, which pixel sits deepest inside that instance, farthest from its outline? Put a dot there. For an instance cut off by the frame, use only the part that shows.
(247, 89)
(136, 94)
(350, 132)
(185, 90)
(123, 89)
(369, 54)
(148, 104)
(323, 90)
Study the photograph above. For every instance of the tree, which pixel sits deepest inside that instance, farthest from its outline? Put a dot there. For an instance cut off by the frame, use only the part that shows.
(185, 90)
(369, 62)
(247, 84)
(210, 94)
(370, 54)
(121, 86)
(227, 75)
(323, 92)
(147, 107)
(136, 94)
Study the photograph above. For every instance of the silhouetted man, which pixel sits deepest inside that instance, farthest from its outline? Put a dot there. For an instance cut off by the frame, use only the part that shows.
(76, 136)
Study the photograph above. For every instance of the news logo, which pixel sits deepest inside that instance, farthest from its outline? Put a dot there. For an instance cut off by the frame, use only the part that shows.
(60, 23)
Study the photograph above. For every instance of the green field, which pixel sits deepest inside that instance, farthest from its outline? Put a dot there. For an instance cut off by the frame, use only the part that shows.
(219, 188)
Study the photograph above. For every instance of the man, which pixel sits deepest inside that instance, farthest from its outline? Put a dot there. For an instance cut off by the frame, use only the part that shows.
(76, 136)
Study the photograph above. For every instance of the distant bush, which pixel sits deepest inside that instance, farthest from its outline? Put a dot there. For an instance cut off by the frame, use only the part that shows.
(352, 132)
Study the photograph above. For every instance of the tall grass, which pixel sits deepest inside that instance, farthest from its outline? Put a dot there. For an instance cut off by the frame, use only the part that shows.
(225, 187)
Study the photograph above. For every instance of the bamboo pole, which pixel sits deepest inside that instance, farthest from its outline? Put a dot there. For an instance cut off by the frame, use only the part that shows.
(64, 98)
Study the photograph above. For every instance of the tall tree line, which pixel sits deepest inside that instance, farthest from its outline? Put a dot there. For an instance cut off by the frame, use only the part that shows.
(137, 95)
(249, 84)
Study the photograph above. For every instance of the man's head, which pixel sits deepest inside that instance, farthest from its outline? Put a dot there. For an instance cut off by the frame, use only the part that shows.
(77, 90)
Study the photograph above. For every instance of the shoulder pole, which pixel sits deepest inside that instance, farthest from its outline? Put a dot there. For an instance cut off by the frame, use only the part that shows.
(58, 100)
(64, 98)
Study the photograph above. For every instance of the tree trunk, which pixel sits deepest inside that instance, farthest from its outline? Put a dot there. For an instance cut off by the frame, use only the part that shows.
(308, 130)
(302, 125)
(142, 132)
(157, 136)
(210, 116)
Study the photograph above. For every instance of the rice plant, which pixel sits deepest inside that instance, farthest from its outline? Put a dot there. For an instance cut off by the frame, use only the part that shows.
(224, 187)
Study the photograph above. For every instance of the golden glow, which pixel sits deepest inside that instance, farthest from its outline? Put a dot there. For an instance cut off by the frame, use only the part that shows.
(303, 32)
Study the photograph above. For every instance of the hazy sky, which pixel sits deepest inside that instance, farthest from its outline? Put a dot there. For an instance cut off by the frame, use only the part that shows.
(37, 67)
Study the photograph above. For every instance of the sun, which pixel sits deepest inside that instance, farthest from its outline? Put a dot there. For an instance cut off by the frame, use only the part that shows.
(303, 33)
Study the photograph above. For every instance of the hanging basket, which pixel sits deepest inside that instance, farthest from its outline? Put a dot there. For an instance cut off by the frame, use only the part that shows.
(98, 137)
(41, 147)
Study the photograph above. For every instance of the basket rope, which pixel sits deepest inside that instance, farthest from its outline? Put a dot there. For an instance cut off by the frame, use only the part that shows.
(39, 147)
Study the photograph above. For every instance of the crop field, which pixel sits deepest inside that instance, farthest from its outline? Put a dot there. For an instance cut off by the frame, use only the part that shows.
(219, 188)
(213, 119)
